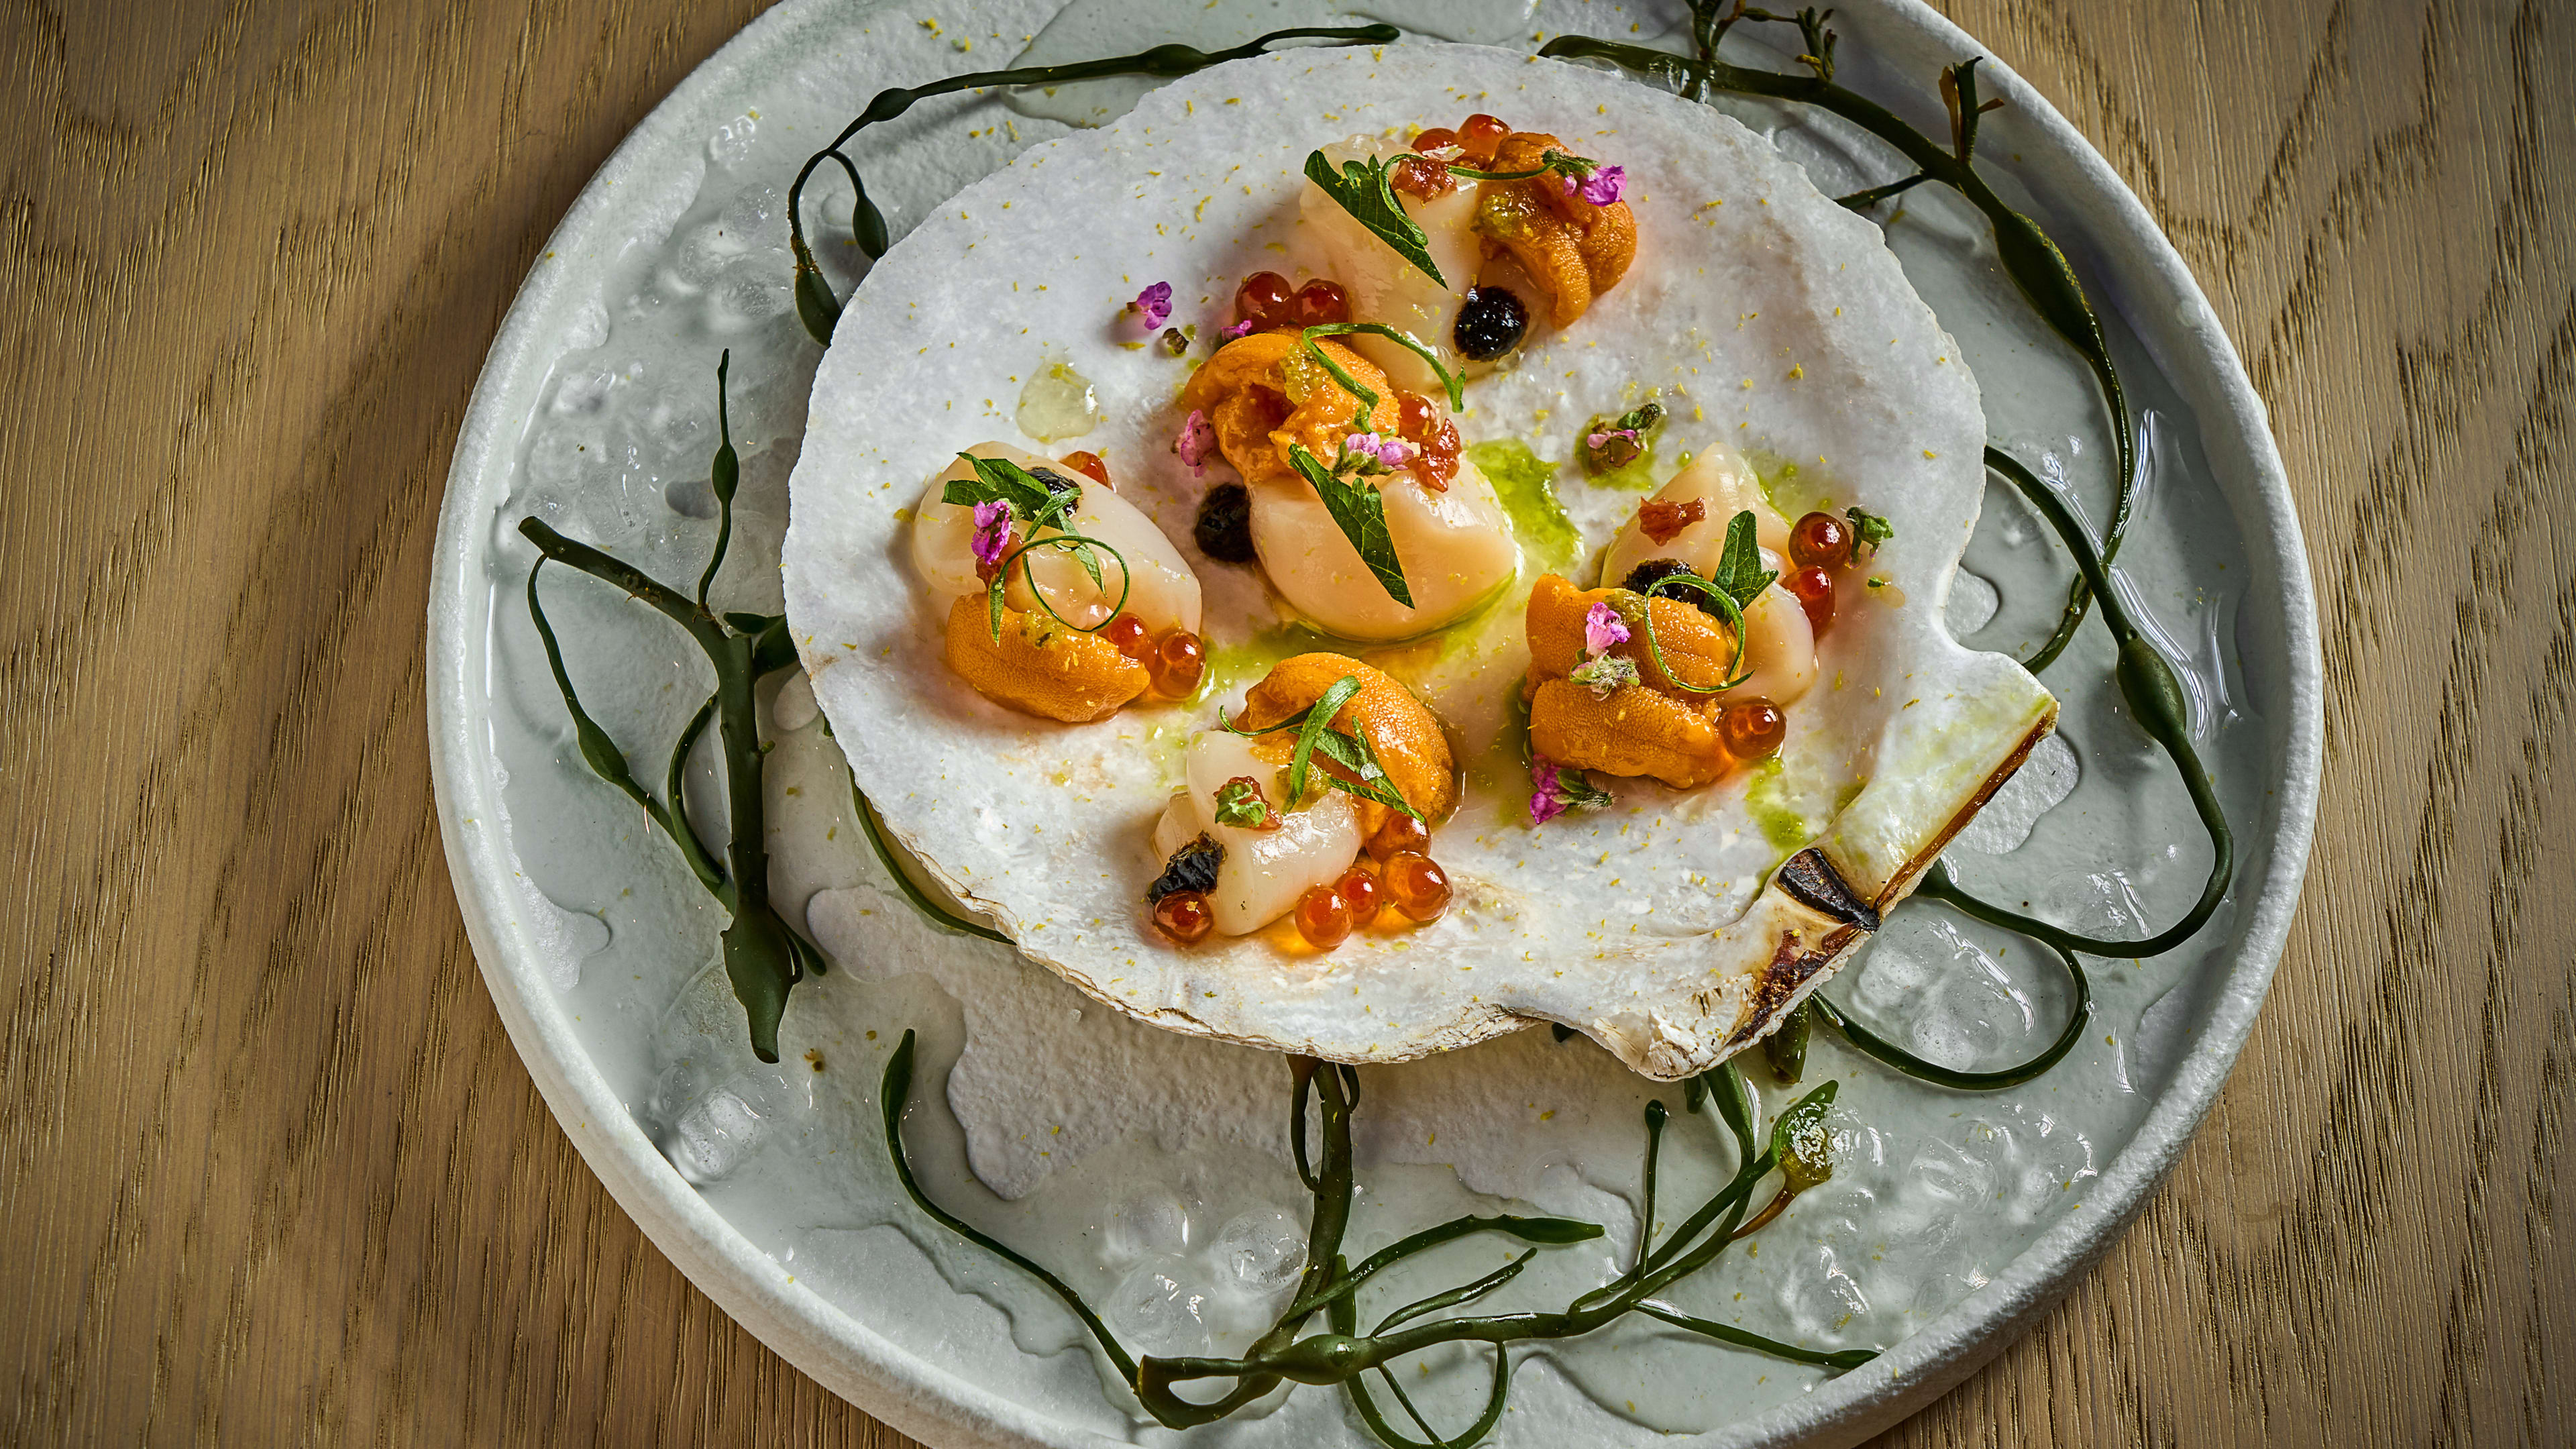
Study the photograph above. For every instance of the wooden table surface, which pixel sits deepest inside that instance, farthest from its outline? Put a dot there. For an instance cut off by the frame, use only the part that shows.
(270, 1172)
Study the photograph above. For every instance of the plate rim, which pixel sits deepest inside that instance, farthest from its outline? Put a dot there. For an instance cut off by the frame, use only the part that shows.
(910, 1394)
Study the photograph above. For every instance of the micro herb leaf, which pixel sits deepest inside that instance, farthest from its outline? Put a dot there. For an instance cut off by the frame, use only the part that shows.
(1869, 530)
(1041, 499)
(1453, 383)
(1740, 574)
(1353, 753)
(1580, 793)
(1361, 515)
(1239, 803)
(1319, 718)
(1366, 190)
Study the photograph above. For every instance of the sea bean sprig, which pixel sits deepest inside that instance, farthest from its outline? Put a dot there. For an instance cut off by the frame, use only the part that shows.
(820, 310)
(764, 957)
(1798, 1153)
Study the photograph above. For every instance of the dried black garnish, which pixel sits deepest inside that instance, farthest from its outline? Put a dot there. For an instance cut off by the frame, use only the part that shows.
(1225, 524)
(1490, 323)
(1191, 868)
(1655, 570)
(1057, 483)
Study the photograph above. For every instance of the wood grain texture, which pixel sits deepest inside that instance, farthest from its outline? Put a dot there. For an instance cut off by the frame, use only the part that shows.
(271, 1173)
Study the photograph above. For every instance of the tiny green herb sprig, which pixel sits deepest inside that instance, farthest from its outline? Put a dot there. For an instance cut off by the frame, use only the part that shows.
(764, 957)
(1364, 187)
(820, 310)
(1039, 500)
(1356, 508)
(1349, 749)
(1740, 580)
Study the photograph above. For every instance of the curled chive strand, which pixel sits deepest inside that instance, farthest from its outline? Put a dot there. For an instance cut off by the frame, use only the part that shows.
(1452, 383)
(820, 310)
(1074, 543)
(1736, 671)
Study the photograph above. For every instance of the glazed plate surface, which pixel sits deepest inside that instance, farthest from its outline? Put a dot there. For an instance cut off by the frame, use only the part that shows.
(1151, 1168)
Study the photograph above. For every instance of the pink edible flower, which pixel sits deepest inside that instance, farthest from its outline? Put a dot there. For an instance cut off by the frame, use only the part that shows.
(1601, 187)
(1602, 628)
(1196, 442)
(992, 532)
(1239, 329)
(1547, 801)
(1152, 305)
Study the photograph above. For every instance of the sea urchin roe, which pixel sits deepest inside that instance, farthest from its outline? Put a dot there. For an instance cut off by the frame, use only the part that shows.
(1752, 728)
(1224, 528)
(1643, 578)
(1359, 886)
(1192, 868)
(1491, 322)
(1417, 885)
(1178, 662)
(1323, 917)
(1814, 589)
(1266, 300)
(1184, 917)
(1820, 541)
(1659, 519)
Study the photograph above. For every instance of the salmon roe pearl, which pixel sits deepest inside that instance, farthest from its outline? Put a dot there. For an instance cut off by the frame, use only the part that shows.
(1266, 300)
(1481, 137)
(1184, 917)
(1089, 465)
(1323, 917)
(1178, 662)
(1415, 416)
(1128, 633)
(1752, 728)
(1320, 302)
(1435, 139)
(1417, 885)
(1815, 590)
(1359, 886)
(1820, 541)
(1401, 832)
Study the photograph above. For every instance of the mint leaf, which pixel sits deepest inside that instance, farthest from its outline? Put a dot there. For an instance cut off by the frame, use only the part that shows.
(1041, 499)
(1239, 803)
(1367, 192)
(1740, 574)
(1361, 515)
(1869, 530)
(1353, 753)
(1319, 720)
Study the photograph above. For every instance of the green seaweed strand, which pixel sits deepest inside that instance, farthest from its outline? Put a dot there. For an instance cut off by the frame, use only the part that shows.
(764, 957)
(820, 310)
(2029, 257)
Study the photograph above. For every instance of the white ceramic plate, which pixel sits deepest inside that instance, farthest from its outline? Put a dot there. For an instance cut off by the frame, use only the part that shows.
(1955, 1219)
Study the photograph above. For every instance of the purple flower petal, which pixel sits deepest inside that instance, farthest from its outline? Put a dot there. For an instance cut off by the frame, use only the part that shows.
(1153, 304)
(1197, 442)
(1602, 627)
(1239, 329)
(992, 532)
(1547, 801)
(1602, 187)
